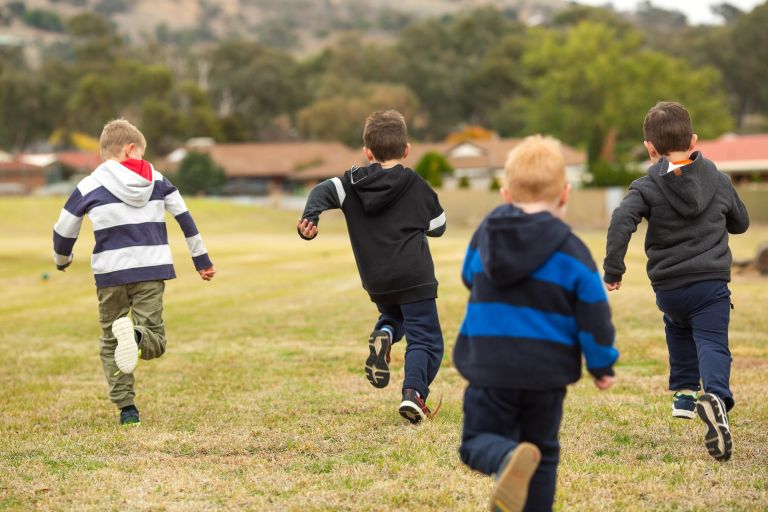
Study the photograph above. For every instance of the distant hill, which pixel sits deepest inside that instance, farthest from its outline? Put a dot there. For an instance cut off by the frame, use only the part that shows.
(298, 25)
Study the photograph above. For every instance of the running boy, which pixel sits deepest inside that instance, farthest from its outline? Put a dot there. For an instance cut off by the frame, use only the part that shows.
(126, 199)
(389, 211)
(536, 304)
(691, 207)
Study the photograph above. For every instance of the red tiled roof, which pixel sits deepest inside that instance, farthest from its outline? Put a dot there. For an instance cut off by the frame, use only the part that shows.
(19, 166)
(80, 160)
(731, 148)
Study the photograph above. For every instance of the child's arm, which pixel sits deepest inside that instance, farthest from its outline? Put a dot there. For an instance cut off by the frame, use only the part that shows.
(67, 229)
(595, 329)
(737, 217)
(176, 206)
(624, 222)
(437, 223)
(327, 195)
(472, 263)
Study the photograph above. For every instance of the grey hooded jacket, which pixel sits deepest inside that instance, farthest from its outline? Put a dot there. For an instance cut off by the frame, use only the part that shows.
(690, 211)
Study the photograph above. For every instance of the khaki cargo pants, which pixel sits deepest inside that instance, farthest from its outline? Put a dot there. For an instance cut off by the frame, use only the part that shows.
(144, 301)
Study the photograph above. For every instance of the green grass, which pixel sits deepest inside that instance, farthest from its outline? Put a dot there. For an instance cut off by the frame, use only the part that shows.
(260, 402)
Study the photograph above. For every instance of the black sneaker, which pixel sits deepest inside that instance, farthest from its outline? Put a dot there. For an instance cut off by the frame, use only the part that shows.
(129, 415)
(718, 438)
(377, 364)
(684, 405)
(413, 407)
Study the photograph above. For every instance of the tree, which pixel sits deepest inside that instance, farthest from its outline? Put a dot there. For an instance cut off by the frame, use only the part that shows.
(198, 173)
(432, 167)
(593, 82)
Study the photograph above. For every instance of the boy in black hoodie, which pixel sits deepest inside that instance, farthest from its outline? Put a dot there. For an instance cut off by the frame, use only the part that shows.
(691, 207)
(390, 211)
(536, 304)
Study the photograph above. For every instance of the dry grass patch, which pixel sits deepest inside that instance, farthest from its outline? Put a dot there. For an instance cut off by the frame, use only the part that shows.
(261, 403)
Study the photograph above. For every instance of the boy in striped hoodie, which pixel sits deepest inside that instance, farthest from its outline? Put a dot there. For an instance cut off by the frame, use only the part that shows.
(537, 304)
(126, 199)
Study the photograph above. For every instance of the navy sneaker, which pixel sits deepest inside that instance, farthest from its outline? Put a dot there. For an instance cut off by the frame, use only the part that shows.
(377, 364)
(510, 491)
(718, 439)
(129, 415)
(684, 405)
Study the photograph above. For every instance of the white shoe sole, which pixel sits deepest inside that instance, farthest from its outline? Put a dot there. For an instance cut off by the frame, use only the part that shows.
(511, 490)
(412, 412)
(127, 351)
(683, 413)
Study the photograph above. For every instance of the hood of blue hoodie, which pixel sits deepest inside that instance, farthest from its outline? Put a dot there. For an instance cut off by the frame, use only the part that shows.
(123, 183)
(513, 244)
(377, 188)
(690, 191)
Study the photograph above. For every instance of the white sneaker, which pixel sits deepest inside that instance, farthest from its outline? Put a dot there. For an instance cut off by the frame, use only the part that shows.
(511, 490)
(127, 351)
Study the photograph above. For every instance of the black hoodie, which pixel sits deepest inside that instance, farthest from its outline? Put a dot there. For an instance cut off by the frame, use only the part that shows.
(690, 211)
(536, 304)
(388, 212)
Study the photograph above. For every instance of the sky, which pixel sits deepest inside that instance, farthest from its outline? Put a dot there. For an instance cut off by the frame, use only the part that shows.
(697, 11)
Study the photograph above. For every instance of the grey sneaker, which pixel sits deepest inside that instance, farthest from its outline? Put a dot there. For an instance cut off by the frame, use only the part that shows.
(377, 364)
(718, 439)
(511, 489)
(127, 350)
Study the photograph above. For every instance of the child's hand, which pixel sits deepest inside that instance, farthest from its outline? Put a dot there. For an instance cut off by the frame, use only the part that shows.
(605, 382)
(613, 286)
(207, 273)
(307, 229)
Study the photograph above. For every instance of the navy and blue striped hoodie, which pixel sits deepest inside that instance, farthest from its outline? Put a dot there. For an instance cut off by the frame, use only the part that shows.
(537, 303)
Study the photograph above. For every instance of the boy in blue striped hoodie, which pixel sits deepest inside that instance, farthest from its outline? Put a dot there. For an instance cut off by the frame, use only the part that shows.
(537, 304)
(126, 200)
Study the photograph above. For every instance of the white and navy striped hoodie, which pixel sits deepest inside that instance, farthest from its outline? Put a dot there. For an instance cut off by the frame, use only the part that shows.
(127, 211)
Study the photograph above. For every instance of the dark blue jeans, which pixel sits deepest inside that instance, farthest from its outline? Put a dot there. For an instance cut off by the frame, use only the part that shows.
(696, 321)
(496, 420)
(419, 323)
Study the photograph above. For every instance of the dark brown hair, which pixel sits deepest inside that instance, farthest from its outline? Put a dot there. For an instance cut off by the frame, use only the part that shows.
(385, 135)
(668, 127)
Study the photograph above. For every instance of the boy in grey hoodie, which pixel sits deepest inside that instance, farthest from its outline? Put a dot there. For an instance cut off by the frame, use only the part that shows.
(690, 207)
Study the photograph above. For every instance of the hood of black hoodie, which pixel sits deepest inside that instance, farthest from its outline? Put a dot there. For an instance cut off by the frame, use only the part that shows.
(377, 188)
(513, 243)
(691, 190)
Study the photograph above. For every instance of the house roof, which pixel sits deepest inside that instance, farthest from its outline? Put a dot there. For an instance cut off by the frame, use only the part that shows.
(80, 160)
(320, 160)
(281, 159)
(737, 152)
(16, 166)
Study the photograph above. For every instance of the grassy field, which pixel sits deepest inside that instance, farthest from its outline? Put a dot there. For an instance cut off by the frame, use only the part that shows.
(260, 402)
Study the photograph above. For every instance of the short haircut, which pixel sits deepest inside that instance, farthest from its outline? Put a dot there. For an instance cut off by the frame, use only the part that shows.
(668, 127)
(115, 135)
(386, 135)
(535, 170)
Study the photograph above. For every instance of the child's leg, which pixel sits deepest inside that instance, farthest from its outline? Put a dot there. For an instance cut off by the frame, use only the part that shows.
(146, 300)
(424, 352)
(113, 304)
(540, 416)
(710, 331)
(390, 315)
(683, 357)
(491, 427)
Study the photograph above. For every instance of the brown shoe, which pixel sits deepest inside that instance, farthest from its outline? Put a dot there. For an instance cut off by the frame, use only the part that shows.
(511, 490)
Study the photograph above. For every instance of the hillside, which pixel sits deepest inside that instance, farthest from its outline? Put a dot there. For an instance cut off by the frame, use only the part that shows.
(298, 25)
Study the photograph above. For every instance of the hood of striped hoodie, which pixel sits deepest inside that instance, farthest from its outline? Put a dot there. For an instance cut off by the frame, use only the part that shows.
(124, 183)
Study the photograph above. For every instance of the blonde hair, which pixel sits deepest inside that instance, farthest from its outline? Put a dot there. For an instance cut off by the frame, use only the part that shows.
(115, 135)
(535, 170)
